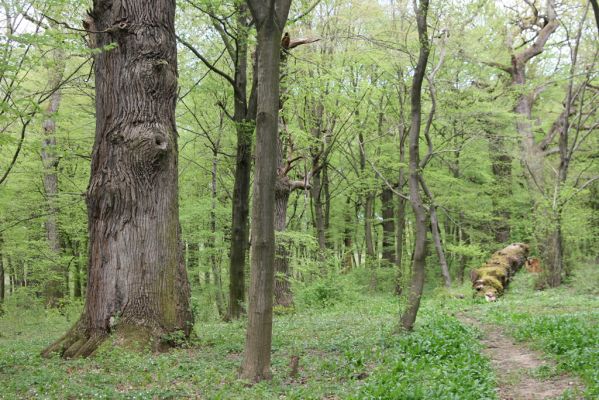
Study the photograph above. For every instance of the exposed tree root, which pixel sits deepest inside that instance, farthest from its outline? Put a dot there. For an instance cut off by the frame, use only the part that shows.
(79, 343)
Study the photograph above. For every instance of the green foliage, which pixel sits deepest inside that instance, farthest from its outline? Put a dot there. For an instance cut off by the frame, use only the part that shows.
(321, 293)
(339, 347)
(560, 322)
(426, 363)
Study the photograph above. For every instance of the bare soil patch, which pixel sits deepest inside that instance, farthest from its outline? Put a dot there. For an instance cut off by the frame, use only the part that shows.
(514, 365)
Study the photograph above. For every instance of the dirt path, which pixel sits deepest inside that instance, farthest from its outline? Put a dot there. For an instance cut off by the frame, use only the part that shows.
(514, 363)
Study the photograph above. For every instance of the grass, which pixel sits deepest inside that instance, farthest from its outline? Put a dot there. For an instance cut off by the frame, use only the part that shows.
(560, 322)
(345, 341)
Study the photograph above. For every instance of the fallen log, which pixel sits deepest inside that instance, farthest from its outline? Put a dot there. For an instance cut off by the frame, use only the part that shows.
(492, 278)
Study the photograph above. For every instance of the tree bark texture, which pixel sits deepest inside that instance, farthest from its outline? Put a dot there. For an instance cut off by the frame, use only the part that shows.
(408, 318)
(533, 150)
(137, 282)
(492, 278)
(54, 286)
(245, 121)
(270, 17)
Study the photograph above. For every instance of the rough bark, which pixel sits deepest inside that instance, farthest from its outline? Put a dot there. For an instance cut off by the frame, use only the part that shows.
(54, 285)
(270, 17)
(245, 119)
(408, 318)
(137, 282)
(533, 150)
(388, 225)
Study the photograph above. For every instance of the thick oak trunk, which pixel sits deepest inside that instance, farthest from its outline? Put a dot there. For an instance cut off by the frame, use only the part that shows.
(137, 283)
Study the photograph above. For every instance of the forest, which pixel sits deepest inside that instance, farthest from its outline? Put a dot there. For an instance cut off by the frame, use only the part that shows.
(307, 199)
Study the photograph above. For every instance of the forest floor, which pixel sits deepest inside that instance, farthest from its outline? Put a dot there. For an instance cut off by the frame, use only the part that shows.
(515, 363)
(344, 337)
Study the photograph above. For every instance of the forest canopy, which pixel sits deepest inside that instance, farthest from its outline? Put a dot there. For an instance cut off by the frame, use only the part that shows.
(208, 161)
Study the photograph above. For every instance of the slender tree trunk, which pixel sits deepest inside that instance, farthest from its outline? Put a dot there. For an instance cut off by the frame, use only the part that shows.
(388, 225)
(408, 318)
(269, 25)
(214, 260)
(245, 120)
(54, 286)
(137, 282)
(319, 214)
(239, 223)
(400, 217)
(436, 233)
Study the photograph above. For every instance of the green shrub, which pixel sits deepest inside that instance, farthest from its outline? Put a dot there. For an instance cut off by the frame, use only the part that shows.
(321, 293)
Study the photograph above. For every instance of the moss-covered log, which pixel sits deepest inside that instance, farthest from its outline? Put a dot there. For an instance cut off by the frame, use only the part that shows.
(492, 278)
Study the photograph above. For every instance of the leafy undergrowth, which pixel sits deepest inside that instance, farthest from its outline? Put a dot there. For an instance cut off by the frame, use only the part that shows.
(560, 322)
(345, 350)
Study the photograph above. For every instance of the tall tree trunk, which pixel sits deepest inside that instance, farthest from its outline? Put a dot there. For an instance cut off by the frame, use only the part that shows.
(270, 17)
(533, 151)
(400, 217)
(214, 260)
(436, 233)
(54, 285)
(245, 120)
(388, 225)
(408, 318)
(137, 282)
